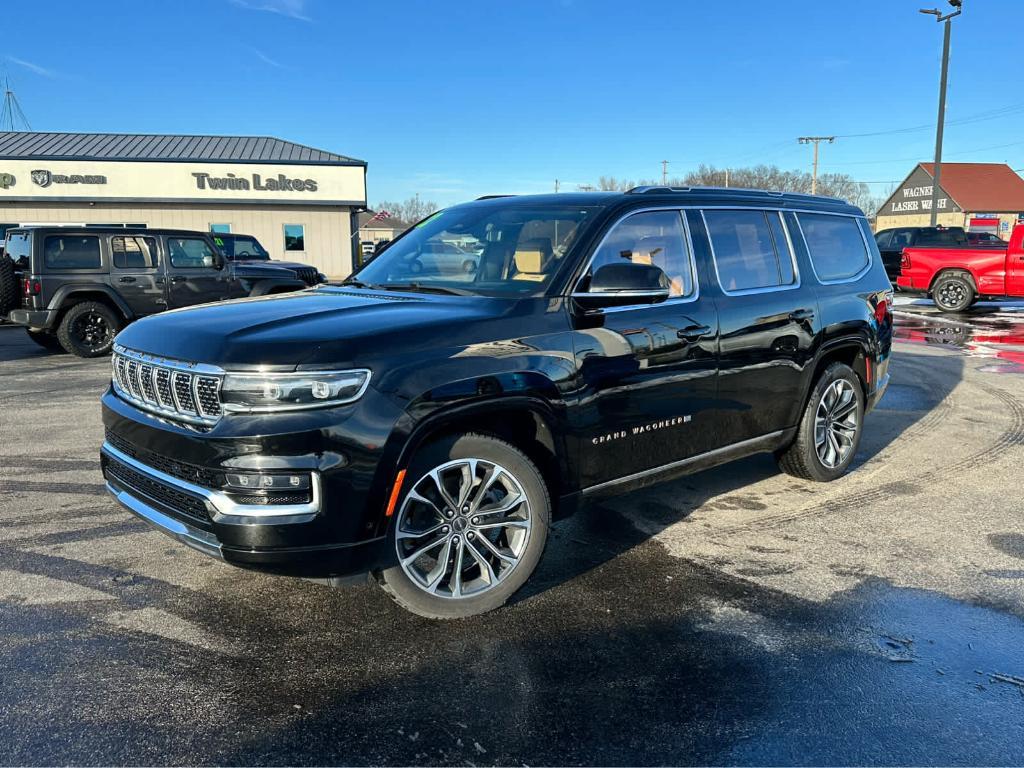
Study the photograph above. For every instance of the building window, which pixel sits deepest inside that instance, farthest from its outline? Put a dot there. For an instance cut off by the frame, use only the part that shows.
(294, 237)
(224, 229)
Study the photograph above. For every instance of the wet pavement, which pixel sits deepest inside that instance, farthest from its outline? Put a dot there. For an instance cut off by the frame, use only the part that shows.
(737, 616)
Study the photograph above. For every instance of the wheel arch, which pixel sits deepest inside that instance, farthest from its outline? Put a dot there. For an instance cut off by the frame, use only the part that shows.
(851, 351)
(953, 270)
(528, 423)
(69, 295)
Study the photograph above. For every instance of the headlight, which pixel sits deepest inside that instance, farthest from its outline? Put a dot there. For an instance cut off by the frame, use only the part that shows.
(263, 392)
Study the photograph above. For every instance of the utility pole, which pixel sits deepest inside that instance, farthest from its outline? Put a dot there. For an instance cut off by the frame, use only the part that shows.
(815, 140)
(556, 186)
(940, 126)
(664, 173)
(726, 178)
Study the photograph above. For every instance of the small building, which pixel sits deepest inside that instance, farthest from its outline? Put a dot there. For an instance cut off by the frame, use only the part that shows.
(374, 230)
(987, 197)
(299, 202)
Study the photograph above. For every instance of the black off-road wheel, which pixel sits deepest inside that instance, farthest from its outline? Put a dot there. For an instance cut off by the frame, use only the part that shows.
(830, 430)
(88, 329)
(46, 340)
(954, 292)
(8, 285)
(469, 529)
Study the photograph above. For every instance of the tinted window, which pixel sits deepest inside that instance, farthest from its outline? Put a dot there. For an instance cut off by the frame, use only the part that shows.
(294, 237)
(190, 252)
(941, 237)
(750, 249)
(901, 238)
(19, 247)
(650, 238)
(835, 244)
(884, 238)
(72, 252)
(133, 252)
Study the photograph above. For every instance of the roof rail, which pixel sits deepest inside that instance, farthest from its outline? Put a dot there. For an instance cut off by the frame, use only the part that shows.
(492, 197)
(762, 192)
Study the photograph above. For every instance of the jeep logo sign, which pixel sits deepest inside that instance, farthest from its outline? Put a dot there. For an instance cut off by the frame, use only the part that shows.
(6, 180)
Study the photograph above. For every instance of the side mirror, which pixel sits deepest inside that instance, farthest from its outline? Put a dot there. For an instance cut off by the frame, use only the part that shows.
(627, 283)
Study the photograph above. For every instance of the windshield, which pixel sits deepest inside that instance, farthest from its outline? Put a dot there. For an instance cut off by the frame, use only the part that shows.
(240, 247)
(491, 250)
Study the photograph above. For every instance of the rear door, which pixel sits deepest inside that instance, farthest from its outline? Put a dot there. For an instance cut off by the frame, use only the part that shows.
(136, 273)
(1015, 263)
(194, 273)
(768, 320)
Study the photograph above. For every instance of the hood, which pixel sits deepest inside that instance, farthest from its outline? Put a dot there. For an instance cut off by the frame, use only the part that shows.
(273, 263)
(264, 269)
(329, 324)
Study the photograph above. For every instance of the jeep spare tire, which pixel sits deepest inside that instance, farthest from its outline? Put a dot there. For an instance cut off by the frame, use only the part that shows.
(8, 285)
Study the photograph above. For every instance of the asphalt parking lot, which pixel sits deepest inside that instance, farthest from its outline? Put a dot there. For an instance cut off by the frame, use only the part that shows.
(734, 616)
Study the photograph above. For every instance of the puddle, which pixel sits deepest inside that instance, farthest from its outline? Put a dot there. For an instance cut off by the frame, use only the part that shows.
(981, 334)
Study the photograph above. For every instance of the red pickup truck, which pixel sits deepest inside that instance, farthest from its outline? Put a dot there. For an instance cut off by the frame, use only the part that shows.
(955, 278)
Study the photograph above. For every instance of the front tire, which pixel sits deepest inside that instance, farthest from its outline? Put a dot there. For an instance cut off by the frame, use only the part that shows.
(88, 329)
(953, 292)
(830, 430)
(470, 528)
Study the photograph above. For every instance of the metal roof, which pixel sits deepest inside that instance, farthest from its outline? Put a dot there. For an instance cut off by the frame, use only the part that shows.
(32, 145)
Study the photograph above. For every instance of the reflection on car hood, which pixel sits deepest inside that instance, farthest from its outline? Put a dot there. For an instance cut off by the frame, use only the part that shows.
(326, 324)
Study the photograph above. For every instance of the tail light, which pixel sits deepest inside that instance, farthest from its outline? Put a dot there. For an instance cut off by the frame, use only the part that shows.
(33, 287)
(883, 307)
(904, 260)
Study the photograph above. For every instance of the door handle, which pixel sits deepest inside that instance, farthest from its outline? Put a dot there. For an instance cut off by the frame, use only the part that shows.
(693, 332)
(800, 315)
(126, 279)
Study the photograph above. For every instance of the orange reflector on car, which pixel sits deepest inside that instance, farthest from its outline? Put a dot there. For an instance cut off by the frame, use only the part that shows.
(393, 501)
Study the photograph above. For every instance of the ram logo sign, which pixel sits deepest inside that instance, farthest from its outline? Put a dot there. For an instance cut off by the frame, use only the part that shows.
(42, 178)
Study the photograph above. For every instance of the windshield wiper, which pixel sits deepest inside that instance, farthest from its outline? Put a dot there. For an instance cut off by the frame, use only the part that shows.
(425, 288)
(358, 284)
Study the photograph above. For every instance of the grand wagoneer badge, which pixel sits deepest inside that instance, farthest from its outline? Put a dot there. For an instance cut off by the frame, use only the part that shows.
(641, 429)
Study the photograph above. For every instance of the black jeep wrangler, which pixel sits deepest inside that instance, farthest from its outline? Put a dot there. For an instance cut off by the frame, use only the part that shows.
(75, 288)
(425, 424)
(246, 249)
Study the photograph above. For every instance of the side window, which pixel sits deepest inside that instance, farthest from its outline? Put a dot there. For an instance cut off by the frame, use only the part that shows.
(294, 237)
(835, 244)
(655, 237)
(901, 238)
(133, 252)
(884, 238)
(190, 252)
(750, 249)
(72, 252)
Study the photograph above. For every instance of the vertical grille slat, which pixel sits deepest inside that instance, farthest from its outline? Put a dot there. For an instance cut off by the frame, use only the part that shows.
(167, 388)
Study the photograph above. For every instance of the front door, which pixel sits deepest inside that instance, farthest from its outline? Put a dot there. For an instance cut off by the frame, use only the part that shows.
(194, 272)
(647, 371)
(1015, 263)
(137, 273)
(769, 323)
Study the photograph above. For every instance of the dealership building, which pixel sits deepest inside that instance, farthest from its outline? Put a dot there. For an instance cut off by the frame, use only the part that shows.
(982, 197)
(300, 203)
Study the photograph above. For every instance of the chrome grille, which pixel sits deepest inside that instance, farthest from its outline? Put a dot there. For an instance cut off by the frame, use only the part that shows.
(182, 392)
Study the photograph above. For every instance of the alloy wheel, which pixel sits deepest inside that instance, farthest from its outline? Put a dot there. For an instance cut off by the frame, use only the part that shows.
(836, 424)
(463, 528)
(952, 294)
(92, 330)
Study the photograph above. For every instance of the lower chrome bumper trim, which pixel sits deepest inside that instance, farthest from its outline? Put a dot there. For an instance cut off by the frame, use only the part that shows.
(205, 542)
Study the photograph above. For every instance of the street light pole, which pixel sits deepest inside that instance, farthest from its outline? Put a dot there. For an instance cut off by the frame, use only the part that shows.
(940, 127)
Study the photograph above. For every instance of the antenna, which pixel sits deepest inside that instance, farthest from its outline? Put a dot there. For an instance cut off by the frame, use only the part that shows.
(11, 115)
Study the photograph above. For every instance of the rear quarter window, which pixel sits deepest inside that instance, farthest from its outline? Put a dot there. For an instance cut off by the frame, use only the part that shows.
(836, 246)
(71, 252)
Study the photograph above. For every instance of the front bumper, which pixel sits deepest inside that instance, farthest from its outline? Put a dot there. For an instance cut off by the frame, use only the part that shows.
(168, 475)
(32, 318)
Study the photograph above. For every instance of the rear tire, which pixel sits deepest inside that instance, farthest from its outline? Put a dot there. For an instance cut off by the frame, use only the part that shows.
(46, 340)
(456, 561)
(830, 430)
(88, 329)
(953, 292)
(8, 285)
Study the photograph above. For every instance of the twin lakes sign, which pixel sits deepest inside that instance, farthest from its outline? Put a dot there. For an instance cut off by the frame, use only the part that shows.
(158, 182)
(915, 197)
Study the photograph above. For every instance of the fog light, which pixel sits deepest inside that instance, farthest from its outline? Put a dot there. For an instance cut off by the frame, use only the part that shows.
(250, 482)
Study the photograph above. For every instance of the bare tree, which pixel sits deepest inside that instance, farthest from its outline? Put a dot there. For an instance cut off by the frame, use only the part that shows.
(409, 211)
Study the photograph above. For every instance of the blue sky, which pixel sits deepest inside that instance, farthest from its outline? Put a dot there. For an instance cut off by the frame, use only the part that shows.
(457, 99)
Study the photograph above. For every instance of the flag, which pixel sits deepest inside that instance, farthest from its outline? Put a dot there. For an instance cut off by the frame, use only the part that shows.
(380, 216)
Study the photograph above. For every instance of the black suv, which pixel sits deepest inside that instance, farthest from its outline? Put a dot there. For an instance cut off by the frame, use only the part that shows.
(891, 243)
(79, 286)
(246, 249)
(425, 425)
